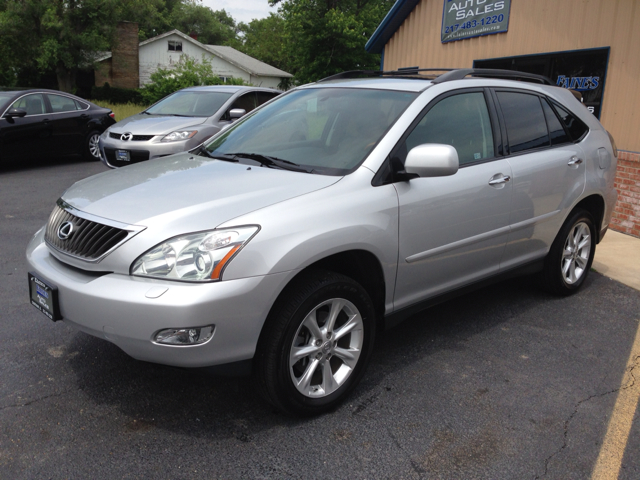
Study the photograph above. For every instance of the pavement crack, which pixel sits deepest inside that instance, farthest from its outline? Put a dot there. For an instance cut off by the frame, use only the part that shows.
(629, 384)
(35, 400)
(421, 472)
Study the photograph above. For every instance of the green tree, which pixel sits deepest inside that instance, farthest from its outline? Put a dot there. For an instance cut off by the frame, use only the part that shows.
(58, 35)
(264, 39)
(324, 37)
(212, 27)
(188, 72)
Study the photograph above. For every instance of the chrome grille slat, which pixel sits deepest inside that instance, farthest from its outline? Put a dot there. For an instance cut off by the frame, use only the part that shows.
(89, 240)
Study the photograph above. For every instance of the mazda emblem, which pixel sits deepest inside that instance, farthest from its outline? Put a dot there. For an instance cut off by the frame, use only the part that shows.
(126, 136)
(65, 230)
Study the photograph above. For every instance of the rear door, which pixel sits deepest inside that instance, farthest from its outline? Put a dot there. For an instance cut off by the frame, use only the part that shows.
(453, 230)
(548, 173)
(69, 124)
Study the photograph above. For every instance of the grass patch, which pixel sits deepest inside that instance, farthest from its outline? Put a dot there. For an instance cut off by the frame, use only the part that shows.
(122, 110)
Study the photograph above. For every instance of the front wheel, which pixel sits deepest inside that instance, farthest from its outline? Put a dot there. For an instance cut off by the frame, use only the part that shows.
(92, 146)
(316, 344)
(571, 255)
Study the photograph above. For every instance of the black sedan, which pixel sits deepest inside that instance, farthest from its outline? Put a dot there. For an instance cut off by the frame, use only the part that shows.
(38, 123)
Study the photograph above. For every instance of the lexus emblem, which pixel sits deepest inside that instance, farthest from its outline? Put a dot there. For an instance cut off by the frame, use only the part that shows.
(65, 230)
(126, 137)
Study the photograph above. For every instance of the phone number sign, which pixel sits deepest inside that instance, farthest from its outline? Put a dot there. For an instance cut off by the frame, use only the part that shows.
(474, 18)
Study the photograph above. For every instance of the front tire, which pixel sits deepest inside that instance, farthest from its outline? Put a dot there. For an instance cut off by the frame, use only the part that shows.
(316, 344)
(571, 255)
(91, 150)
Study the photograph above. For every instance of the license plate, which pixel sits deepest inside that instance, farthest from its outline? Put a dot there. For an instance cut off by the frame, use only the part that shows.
(123, 155)
(44, 297)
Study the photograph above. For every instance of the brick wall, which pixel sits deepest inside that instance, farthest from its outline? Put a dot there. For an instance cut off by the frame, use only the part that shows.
(626, 216)
(124, 57)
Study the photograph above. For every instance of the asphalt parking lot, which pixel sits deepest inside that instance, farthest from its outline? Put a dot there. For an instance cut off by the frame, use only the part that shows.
(504, 383)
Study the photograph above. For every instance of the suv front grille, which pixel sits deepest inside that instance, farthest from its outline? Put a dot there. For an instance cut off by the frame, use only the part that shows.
(134, 138)
(87, 240)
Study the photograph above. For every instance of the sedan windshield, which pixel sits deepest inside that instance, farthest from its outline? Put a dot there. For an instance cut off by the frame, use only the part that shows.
(325, 130)
(190, 104)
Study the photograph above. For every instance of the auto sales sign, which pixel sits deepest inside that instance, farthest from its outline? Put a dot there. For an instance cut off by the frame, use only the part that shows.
(474, 18)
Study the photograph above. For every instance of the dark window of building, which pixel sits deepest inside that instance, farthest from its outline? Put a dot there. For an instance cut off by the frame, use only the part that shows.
(576, 128)
(526, 126)
(175, 46)
(557, 133)
(461, 121)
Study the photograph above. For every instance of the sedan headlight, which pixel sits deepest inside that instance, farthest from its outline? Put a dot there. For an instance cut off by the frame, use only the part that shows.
(179, 135)
(198, 257)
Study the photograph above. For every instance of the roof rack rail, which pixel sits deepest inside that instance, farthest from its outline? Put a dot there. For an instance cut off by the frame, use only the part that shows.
(491, 73)
(380, 73)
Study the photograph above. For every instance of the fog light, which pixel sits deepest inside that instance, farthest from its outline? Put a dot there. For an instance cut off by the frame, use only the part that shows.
(184, 336)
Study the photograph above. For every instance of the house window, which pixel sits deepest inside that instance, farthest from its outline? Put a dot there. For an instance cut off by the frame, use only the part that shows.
(225, 79)
(175, 46)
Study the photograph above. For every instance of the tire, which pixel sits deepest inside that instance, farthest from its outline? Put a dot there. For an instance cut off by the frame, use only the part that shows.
(91, 149)
(305, 366)
(571, 255)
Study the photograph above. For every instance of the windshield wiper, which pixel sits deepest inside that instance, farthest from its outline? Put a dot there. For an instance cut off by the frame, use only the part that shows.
(272, 161)
(219, 156)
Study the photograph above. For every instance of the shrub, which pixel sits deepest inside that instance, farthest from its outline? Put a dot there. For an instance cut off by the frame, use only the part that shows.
(188, 72)
(110, 94)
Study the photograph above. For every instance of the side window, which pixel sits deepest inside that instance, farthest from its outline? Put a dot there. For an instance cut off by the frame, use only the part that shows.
(576, 128)
(263, 97)
(175, 46)
(525, 122)
(33, 104)
(461, 121)
(81, 105)
(247, 102)
(60, 103)
(557, 133)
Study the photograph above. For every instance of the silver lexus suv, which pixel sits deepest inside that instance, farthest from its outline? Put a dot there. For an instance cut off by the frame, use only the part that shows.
(290, 240)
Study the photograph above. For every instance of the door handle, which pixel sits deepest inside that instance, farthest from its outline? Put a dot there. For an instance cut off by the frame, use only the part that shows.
(499, 180)
(574, 161)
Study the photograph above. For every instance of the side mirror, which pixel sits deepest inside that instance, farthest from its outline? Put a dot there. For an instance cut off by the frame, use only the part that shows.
(236, 113)
(15, 112)
(432, 160)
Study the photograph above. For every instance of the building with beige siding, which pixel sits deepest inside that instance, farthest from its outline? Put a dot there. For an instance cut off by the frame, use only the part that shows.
(588, 45)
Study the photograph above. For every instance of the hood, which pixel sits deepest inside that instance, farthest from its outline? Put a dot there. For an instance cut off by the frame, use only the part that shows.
(143, 124)
(192, 192)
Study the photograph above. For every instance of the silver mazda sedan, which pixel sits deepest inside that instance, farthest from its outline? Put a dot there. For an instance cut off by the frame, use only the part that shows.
(178, 122)
(285, 244)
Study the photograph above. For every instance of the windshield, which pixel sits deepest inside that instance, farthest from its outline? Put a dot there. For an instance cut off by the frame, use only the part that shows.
(190, 104)
(328, 130)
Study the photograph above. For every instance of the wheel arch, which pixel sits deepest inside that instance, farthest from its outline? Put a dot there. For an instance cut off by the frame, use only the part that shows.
(594, 204)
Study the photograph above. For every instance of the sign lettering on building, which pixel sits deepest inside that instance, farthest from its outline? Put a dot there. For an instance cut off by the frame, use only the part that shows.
(473, 18)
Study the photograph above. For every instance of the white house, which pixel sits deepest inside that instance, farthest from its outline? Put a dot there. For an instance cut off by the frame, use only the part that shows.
(166, 50)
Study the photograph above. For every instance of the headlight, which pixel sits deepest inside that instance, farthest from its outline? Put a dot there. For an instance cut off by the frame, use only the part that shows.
(180, 135)
(198, 257)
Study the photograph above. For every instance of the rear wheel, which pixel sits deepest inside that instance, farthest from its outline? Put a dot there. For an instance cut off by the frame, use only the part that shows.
(92, 146)
(316, 344)
(571, 255)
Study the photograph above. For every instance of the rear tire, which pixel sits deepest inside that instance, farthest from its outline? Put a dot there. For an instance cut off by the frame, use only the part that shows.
(571, 255)
(91, 150)
(316, 344)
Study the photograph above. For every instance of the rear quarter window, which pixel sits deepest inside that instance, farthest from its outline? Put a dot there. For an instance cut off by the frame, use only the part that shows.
(576, 128)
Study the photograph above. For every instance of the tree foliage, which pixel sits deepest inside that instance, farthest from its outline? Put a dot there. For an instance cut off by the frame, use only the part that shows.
(264, 39)
(188, 72)
(324, 37)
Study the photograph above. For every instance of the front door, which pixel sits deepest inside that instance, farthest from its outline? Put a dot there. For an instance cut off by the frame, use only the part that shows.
(452, 230)
(28, 136)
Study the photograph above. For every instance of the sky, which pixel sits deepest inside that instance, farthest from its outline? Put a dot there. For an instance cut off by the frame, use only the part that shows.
(242, 10)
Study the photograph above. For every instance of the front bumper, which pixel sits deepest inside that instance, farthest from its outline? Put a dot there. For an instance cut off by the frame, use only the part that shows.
(140, 150)
(117, 308)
